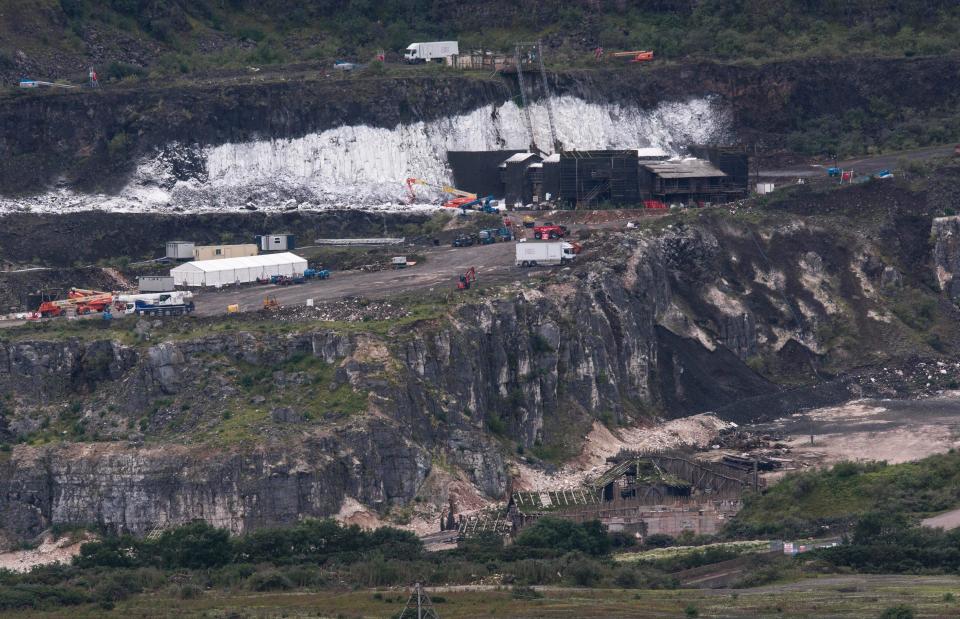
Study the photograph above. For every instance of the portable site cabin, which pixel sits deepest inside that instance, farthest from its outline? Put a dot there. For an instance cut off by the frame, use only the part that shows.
(180, 250)
(276, 242)
(216, 252)
(226, 271)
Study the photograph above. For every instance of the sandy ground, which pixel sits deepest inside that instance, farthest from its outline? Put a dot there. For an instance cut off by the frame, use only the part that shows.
(49, 551)
(601, 443)
(891, 430)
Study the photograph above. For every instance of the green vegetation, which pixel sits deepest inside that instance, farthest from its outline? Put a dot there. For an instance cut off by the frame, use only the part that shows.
(197, 568)
(723, 29)
(313, 395)
(830, 501)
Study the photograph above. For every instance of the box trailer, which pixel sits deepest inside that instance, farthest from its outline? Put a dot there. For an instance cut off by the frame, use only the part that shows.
(155, 283)
(435, 51)
(532, 254)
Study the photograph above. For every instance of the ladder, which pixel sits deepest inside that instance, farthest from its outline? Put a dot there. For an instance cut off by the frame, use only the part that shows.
(557, 146)
(523, 98)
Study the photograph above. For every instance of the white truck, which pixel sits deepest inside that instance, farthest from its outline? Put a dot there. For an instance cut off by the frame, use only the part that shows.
(127, 303)
(532, 253)
(437, 51)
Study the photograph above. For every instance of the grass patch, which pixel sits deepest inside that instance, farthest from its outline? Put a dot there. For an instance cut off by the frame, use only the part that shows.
(307, 387)
(827, 501)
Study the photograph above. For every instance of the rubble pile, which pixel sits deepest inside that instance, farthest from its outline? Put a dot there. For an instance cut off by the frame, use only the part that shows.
(745, 450)
(914, 379)
(350, 309)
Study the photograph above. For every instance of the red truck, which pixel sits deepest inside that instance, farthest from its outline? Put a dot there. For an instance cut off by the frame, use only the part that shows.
(549, 231)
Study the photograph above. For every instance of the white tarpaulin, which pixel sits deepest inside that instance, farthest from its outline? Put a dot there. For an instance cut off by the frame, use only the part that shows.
(226, 271)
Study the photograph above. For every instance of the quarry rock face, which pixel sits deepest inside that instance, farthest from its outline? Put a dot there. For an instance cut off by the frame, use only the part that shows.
(531, 365)
(946, 253)
(643, 322)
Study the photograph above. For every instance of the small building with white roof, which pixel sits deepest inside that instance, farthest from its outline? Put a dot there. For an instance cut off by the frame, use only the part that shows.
(241, 270)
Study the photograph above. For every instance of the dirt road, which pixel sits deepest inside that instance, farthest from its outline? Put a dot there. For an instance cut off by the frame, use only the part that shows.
(862, 165)
(494, 264)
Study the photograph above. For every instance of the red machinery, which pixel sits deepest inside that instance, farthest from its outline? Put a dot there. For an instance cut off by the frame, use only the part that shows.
(467, 278)
(83, 302)
(461, 197)
(638, 56)
(549, 231)
(654, 204)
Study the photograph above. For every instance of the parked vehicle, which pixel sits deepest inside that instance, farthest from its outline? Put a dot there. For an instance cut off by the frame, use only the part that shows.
(144, 308)
(317, 274)
(398, 262)
(544, 254)
(528, 221)
(465, 240)
(550, 230)
(126, 303)
(433, 51)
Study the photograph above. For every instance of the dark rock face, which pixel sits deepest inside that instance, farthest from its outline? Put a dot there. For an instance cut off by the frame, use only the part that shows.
(62, 240)
(94, 136)
(946, 253)
(90, 139)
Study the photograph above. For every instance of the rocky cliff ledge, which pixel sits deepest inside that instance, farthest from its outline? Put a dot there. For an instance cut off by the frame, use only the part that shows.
(246, 421)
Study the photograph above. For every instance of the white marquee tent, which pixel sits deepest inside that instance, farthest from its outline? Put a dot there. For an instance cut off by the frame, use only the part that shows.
(226, 271)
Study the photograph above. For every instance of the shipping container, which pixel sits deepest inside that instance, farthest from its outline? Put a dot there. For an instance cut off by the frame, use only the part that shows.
(155, 283)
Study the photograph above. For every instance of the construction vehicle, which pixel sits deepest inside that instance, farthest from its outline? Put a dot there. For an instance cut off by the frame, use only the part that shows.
(398, 262)
(126, 302)
(290, 280)
(487, 237)
(528, 221)
(484, 205)
(502, 234)
(270, 304)
(467, 279)
(80, 300)
(654, 204)
(550, 230)
(466, 240)
(143, 308)
(317, 274)
(461, 197)
(544, 254)
(637, 56)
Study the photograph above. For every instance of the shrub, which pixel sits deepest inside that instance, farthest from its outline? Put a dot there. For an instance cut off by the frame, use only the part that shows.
(626, 578)
(23, 596)
(117, 71)
(659, 540)
(196, 545)
(900, 611)
(189, 591)
(525, 593)
(270, 580)
(565, 536)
